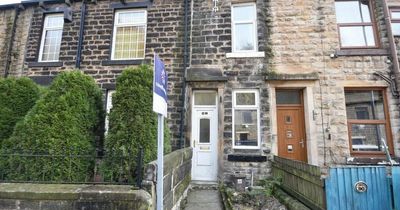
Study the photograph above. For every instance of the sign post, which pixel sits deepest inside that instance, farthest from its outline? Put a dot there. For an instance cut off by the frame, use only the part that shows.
(160, 86)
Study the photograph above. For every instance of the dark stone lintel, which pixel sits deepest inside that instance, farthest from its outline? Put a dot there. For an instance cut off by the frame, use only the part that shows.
(141, 4)
(45, 64)
(122, 62)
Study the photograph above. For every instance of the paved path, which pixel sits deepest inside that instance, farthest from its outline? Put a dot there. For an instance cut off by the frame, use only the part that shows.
(199, 199)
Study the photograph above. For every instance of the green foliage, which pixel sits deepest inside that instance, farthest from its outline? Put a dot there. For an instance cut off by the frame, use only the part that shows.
(17, 97)
(63, 122)
(270, 185)
(133, 124)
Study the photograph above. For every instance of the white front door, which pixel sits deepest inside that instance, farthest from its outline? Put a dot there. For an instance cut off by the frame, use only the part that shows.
(204, 141)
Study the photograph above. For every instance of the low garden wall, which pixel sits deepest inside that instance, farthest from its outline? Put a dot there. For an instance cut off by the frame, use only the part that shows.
(177, 177)
(71, 197)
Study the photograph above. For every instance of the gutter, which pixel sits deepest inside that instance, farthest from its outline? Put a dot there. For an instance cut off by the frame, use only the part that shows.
(81, 31)
(30, 3)
(185, 64)
(392, 44)
(11, 42)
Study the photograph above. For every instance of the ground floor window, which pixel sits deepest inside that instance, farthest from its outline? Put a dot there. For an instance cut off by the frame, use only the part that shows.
(368, 121)
(245, 115)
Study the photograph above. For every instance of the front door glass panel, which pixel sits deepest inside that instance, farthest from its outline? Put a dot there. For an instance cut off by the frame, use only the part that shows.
(204, 131)
(288, 97)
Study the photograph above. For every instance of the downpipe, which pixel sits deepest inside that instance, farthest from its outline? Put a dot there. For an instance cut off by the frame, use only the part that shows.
(392, 44)
(81, 31)
(185, 64)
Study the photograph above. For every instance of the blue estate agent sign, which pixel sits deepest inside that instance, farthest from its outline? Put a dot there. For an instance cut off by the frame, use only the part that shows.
(160, 87)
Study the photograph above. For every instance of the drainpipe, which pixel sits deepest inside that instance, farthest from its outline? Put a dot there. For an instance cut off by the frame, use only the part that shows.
(11, 42)
(392, 44)
(81, 30)
(185, 64)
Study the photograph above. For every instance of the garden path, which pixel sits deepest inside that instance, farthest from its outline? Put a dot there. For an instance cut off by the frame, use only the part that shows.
(203, 199)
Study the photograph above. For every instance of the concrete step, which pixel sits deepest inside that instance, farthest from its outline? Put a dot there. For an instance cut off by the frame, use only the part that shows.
(201, 185)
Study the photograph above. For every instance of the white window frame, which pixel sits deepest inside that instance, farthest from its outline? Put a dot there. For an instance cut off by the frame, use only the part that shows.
(254, 22)
(45, 29)
(109, 95)
(116, 25)
(256, 107)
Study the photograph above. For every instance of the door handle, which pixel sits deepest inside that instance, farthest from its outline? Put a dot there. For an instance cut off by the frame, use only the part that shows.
(194, 143)
(302, 143)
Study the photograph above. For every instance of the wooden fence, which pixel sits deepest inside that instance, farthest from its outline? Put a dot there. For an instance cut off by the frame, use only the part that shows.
(301, 180)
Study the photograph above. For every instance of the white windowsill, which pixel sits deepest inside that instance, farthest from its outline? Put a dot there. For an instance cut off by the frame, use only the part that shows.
(245, 55)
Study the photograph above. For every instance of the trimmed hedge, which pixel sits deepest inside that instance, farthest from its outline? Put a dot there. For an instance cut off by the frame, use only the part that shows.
(17, 97)
(133, 124)
(61, 124)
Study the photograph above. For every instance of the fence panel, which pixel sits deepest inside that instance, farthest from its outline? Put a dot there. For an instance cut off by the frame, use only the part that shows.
(342, 184)
(396, 186)
(301, 180)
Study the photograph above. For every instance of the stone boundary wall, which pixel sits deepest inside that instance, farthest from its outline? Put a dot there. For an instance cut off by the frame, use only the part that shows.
(177, 177)
(72, 197)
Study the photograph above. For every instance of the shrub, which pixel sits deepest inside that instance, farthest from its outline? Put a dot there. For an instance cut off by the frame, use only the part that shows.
(62, 123)
(133, 124)
(17, 97)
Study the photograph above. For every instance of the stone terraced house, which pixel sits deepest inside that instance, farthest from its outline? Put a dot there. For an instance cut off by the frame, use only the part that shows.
(310, 80)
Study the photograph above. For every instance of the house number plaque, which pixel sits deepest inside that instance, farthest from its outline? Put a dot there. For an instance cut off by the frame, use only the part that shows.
(361, 186)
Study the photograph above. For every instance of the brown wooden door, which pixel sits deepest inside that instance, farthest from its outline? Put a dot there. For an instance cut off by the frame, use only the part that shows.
(291, 131)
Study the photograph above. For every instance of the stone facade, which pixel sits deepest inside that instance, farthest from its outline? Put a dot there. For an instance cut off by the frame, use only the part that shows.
(299, 46)
(302, 43)
(164, 37)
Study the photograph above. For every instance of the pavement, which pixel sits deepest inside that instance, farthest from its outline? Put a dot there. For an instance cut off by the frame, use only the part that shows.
(203, 199)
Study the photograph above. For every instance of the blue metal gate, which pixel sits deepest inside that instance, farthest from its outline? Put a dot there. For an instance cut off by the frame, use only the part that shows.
(396, 186)
(360, 188)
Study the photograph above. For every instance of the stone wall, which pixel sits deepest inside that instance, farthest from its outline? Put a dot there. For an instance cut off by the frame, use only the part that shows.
(177, 177)
(303, 35)
(211, 41)
(6, 23)
(15, 196)
(164, 36)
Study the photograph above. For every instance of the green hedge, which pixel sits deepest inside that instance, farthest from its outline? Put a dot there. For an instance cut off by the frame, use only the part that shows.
(133, 123)
(63, 122)
(17, 97)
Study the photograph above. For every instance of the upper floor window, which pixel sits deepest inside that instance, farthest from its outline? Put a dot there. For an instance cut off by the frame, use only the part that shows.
(355, 25)
(245, 119)
(244, 28)
(51, 38)
(129, 34)
(368, 121)
(395, 17)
